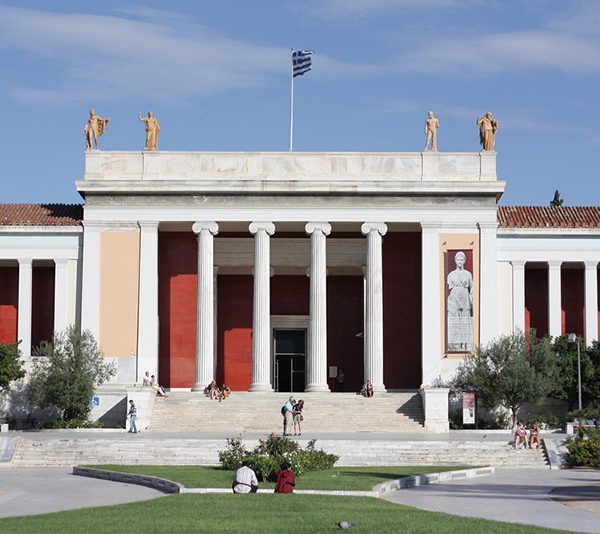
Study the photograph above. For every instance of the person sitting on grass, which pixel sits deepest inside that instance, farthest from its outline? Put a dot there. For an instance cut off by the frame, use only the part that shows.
(225, 392)
(285, 479)
(244, 480)
(534, 436)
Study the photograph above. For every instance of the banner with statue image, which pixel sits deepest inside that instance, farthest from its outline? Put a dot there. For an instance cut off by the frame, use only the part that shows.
(459, 300)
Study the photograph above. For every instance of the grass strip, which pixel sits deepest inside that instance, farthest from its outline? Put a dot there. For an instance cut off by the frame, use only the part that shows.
(256, 513)
(338, 478)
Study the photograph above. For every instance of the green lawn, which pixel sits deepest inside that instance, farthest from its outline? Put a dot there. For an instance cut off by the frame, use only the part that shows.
(338, 478)
(255, 513)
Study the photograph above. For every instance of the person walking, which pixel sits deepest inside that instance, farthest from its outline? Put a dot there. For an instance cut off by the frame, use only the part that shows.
(244, 480)
(285, 479)
(132, 414)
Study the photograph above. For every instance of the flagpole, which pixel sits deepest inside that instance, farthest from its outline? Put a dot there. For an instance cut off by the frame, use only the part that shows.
(292, 108)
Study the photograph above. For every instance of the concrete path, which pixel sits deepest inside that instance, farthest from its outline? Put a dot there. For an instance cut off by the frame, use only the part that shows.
(517, 496)
(39, 491)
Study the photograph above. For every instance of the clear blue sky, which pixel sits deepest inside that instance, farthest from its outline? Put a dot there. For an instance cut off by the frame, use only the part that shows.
(217, 76)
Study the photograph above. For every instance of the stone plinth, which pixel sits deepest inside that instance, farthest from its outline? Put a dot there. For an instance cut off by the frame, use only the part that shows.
(435, 409)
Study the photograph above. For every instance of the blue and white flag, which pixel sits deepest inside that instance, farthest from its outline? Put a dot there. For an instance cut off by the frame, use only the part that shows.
(301, 61)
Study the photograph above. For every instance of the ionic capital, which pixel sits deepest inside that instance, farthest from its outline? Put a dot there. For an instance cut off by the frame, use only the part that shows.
(591, 264)
(211, 226)
(257, 226)
(323, 227)
(369, 227)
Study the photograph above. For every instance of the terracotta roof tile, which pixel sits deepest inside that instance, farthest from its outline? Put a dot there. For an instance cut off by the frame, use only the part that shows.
(549, 216)
(41, 214)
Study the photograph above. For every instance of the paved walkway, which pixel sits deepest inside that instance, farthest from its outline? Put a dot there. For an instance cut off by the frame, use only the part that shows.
(517, 496)
(39, 491)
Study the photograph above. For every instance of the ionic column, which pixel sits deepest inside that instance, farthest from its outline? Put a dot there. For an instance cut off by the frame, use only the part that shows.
(61, 293)
(591, 301)
(374, 306)
(316, 364)
(554, 298)
(518, 291)
(25, 305)
(148, 300)
(205, 304)
(488, 285)
(261, 313)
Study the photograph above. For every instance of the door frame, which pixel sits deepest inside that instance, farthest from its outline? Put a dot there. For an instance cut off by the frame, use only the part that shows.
(287, 322)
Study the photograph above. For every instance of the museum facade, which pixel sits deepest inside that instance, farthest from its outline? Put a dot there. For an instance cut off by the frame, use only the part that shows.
(283, 271)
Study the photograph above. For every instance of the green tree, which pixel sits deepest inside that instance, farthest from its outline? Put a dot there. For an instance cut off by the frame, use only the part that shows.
(509, 371)
(11, 367)
(66, 372)
(567, 388)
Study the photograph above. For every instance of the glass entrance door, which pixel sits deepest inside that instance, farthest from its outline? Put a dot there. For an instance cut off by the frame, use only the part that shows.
(289, 359)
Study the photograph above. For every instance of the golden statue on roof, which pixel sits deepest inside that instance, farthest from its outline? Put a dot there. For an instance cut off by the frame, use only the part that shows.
(94, 128)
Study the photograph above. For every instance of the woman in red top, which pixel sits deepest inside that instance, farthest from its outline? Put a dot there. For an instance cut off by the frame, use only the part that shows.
(285, 479)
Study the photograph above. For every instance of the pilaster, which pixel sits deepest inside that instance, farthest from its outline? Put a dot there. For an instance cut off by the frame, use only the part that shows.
(554, 298)
(518, 290)
(591, 301)
(25, 306)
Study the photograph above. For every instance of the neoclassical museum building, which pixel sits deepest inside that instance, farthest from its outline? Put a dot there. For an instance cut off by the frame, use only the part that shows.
(279, 270)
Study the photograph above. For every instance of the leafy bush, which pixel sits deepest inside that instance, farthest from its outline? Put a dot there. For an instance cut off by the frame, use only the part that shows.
(585, 414)
(455, 420)
(73, 423)
(11, 367)
(66, 371)
(584, 449)
(544, 421)
(267, 457)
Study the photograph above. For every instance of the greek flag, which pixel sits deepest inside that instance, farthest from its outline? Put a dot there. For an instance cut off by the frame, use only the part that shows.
(301, 61)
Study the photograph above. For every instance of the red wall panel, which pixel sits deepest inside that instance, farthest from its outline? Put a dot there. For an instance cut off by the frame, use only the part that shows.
(536, 300)
(9, 301)
(42, 311)
(177, 286)
(234, 327)
(290, 295)
(402, 310)
(572, 300)
(344, 321)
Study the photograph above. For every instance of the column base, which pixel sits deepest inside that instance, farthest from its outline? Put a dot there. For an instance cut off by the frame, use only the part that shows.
(199, 387)
(379, 388)
(317, 388)
(260, 388)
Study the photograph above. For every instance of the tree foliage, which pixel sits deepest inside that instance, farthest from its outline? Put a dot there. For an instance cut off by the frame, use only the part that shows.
(509, 371)
(11, 367)
(66, 371)
(567, 388)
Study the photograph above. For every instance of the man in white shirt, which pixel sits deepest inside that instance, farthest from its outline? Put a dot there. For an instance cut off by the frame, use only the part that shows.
(245, 480)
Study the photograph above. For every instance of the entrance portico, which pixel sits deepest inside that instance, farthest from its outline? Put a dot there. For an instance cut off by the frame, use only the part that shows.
(366, 229)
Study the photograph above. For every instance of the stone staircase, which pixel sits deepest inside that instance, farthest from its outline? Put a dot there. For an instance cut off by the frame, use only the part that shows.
(260, 412)
(152, 449)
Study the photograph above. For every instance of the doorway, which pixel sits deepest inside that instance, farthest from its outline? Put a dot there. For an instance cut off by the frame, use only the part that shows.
(289, 350)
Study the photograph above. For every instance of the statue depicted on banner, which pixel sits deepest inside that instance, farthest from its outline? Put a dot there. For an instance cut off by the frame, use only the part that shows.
(94, 128)
(431, 126)
(488, 126)
(460, 306)
(152, 130)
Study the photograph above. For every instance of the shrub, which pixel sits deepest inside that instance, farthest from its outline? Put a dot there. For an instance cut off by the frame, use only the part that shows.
(73, 423)
(267, 456)
(585, 414)
(584, 449)
(11, 367)
(66, 371)
(455, 420)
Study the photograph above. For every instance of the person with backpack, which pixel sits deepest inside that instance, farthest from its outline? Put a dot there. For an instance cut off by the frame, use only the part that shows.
(288, 418)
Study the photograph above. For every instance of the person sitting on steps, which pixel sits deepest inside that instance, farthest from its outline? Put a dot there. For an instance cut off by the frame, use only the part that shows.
(367, 389)
(225, 392)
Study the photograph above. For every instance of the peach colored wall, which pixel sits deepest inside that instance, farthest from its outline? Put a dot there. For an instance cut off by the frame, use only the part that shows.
(463, 242)
(119, 274)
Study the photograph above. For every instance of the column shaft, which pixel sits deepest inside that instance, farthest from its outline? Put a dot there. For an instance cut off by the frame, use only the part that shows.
(90, 290)
(591, 301)
(61, 294)
(316, 364)
(205, 305)
(374, 306)
(518, 289)
(554, 299)
(261, 316)
(25, 306)
(147, 345)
